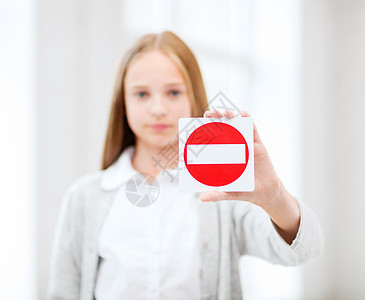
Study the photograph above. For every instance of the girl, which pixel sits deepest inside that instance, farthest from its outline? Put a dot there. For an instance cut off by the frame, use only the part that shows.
(109, 244)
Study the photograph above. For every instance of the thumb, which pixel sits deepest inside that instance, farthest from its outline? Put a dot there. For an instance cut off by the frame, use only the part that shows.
(257, 138)
(214, 196)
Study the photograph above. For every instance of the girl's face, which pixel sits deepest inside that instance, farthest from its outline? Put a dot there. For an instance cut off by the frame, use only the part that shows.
(155, 98)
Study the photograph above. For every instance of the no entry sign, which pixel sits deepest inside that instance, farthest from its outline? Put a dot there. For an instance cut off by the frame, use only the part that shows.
(217, 154)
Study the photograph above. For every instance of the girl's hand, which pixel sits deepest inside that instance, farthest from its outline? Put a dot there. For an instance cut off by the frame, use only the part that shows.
(267, 183)
(269, 192)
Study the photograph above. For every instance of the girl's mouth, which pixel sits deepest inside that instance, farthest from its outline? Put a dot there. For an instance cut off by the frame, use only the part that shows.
(159, 127)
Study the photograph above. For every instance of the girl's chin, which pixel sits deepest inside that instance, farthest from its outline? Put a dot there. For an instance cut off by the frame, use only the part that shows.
(160, 142)
(163, 143)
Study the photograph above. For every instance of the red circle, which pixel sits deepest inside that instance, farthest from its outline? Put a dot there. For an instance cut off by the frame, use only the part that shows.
(216, 174)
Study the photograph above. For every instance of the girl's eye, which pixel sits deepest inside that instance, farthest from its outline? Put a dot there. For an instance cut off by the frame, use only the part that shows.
(174, 92)
(141, 94)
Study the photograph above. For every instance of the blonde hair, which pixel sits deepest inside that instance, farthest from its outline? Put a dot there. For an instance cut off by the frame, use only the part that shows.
(119, 135)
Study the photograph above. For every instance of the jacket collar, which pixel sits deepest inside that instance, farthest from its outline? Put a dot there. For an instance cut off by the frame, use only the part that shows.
(120, 171)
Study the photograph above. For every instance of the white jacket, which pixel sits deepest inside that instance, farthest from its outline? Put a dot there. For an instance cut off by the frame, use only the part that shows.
(229, 229)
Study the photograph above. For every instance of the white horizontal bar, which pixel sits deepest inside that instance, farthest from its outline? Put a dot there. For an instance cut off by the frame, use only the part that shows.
(216, 154)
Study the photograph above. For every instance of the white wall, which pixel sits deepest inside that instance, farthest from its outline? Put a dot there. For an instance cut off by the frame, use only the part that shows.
(17, 150)
(79, 47)
(334, 145)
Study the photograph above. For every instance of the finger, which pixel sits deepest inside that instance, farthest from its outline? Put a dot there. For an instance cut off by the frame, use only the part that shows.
(207, 114)
(245, 113)
(229, 114)
(216, 114)
(257, 138)
(214, 196)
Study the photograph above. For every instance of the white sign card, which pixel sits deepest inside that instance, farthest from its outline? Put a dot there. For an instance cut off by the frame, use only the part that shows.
(216, 154)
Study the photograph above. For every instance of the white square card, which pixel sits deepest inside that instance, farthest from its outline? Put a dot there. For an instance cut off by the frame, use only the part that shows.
(216, 154)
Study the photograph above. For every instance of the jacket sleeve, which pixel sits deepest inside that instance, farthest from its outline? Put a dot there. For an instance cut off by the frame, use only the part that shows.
(64, 280)
(256, 235)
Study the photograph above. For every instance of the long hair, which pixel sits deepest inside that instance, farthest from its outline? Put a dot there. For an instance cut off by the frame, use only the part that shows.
(119, 135)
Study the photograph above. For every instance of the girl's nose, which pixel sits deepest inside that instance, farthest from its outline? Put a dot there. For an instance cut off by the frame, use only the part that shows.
(158, 107)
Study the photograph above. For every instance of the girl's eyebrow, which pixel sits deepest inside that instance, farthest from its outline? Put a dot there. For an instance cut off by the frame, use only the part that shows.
(139, 86)
(175, 83)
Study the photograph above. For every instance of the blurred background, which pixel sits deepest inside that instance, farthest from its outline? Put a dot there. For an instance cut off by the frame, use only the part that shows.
(297, 66)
